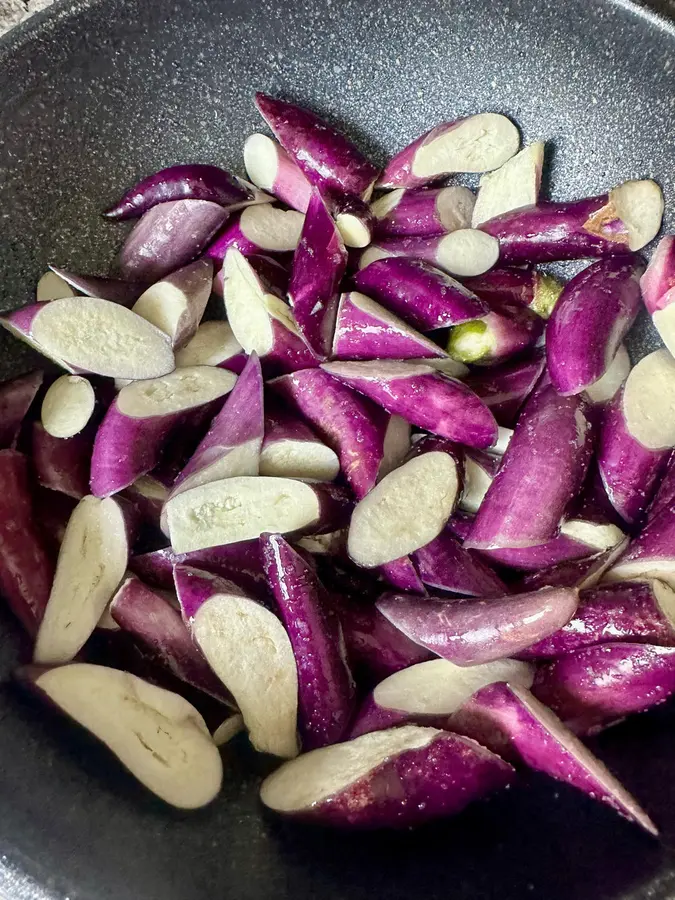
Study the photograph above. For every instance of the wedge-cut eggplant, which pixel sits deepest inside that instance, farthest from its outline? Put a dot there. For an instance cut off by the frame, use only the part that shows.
(259, 229)
(402, 574)
(479, 470)
(393, 779)
(52, 286)
(657, 286)
(525, 286)
(651, 554)
(67, 406)
(176, 304)
(156, 734)
(270, 168)
(445, 565)
(507, 330)
(511, 186)
(424, 213)
(292, 450)
(504, 389)
(62, 464)
(213, 344)
(465, 253)
(16, 398)
(148, 495)
(578, 573)
(92, 562)
(126, 293)
(608, 385)
(249, 650)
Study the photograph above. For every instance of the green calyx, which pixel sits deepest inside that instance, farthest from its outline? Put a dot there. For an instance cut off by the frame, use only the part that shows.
(546, 293)
(470, 342)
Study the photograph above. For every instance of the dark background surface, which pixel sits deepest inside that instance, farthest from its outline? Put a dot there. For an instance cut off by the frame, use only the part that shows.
(96, 94)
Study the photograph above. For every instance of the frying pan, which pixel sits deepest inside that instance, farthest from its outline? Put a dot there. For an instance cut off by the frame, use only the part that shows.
(98, 92)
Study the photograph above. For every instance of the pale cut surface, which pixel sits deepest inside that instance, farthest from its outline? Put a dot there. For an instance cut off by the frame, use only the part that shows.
(324, 544)
(467, 252)
(213, 343)
(649, 401)
(325, 772)
(240, 460)
(228, 729)
(239, 509)
(248, 648)
(664, 322)
(599, 537)
(397, 443)
(640, 205)
(353, 230)
(661, 569)
(181, 390)
(305, 460)
(476, 484)
(386, 369)
(372, 254)
(447, 365)
(150, 487)
(92, 562)
(602, 390)
(454, 206)
(102, 337)
(439, 687)
(52, 287)
(384, 204)
(160, 737)
(405, 511)
(164, 305)
(504, 436)
(371, 308)
(244, 298)
(260, 161)
(512, 186)
(476, 144)
(272, 229)
(665, 600)
(67, 406)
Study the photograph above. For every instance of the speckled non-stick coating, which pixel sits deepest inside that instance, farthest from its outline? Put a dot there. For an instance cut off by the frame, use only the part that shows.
(99, 93)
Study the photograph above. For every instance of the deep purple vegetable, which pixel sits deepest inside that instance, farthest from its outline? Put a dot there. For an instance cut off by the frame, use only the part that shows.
(525, 286)
(259, 229)
(504, 389)
(70, 333)
(393, 779)
(350, 424)
(513, 185)
(176, 304)
(657, 285)
(542, 470)
(423, 397)
(327, 158)
(637, 435)
(137, 425)
(511, 722)
(629, 611)
(597, 686)
(578, 573)
(213, 344)
(169, 236)
(465, 253)
(16, 397)
(402, 573)
(474, 631)
(249, 650)
(26, 569)
(460, 524)
(421, 295)
(353, 218)
(318, 266)
(365, 330)
(194, 181)
(126, 293)
(270, 168)
(472, 144)
(424, 213)
(291, 449)
(62, 464)
(326, 687)
(608, 225)
(445, 565)
(590, 320)
(508, 329)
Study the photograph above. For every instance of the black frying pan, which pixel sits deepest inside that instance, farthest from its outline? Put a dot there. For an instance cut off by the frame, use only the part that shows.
(99, 92)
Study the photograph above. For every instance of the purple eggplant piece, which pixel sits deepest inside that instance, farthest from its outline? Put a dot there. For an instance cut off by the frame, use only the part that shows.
(526, 287)
(272, 273)
(62, 464)
(126, 293)
(505, 331)
(167, 237)
(608, 225)
(658, 289)
(504, 389)
(474, 631)
(477, 143)
(590, 320)
(542, 470)
(423, 213)
(318, 266)
(258, 230)
(445, 565)
(651, 553)
(578, 573)
(291, 449)
(350, 424)
(421, 295)
(16, 397)
(328, 159)
(271, 169)
(460, 524)
(193, 181)
(353, 218)
(600, 685)
(423, 397)
(148, 495)
(511, 722)
(464, 253)
(605, 389)
(403, 574)
(513, 185)
(638, 612)
(326, 687)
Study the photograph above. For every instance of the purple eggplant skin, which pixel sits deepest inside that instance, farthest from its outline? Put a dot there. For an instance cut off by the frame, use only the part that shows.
(460, 524)
(327, 158)
(445, 565)
(506, 331)
(590, 320)
(420, 294)
(505, 388)
(192, 181)
(651, 553)
(319, 264)
(537, 291)
(26, 568)
(423, 397)
(578, 573)
(424, 213)
(510, 721)
(542, 470)
(159, 627)
(403, 574)
(659, 278)
(167, 237)
(637, 612)
(327, 690)
(195, 586)
(62, 464)
(351, 425)
(16, 398)
(125, 293)
(436, 777)
(474, 631)
(600, 685)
